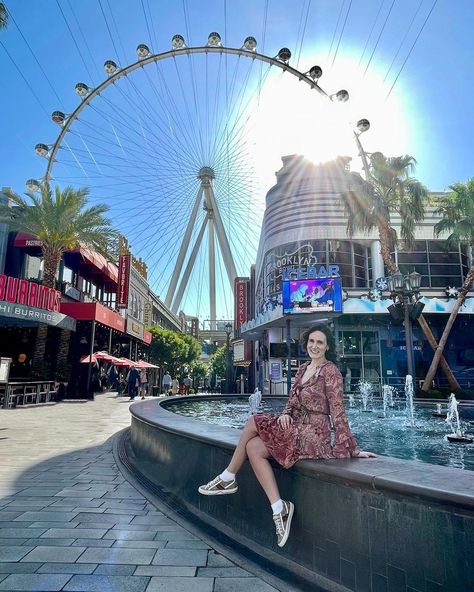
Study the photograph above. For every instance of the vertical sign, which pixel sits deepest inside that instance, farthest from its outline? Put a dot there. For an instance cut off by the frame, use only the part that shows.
(123, 281)
(195, 328)
(240, 297)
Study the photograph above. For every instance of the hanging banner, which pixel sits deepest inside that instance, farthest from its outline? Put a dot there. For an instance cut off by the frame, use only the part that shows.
(123, 281)
(240, 301)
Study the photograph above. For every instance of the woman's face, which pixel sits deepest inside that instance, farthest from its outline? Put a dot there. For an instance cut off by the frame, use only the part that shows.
(317, 346)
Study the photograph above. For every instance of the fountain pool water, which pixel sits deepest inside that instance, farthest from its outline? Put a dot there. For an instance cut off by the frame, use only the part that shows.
(390, 436)
(409, 406)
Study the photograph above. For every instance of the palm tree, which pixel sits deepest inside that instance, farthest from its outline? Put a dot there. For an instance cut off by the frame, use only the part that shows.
(62, 222)
(390, 188)
(3, 16)
(457, 218)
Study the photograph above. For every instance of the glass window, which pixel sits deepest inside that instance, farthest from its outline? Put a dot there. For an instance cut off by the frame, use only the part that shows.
(370, 342)
(67, 275)
(351, 343)
(33, 268)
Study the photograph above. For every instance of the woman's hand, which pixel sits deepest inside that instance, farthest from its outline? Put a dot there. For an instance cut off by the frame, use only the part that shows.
(284, 421)
(363, 454)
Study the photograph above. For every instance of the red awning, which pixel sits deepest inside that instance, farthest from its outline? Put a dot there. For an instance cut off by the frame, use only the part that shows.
(93, 311)
(23, 239)
(100, 262)
(143, 364)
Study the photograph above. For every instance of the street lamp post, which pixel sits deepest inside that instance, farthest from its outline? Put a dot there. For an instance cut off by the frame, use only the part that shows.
(228, 330)
(405, 290)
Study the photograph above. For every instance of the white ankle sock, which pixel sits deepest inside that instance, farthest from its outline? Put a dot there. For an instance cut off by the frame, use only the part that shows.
(277, 506)
(227, 475)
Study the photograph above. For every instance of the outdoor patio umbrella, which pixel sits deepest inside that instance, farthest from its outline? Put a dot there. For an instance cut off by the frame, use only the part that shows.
(143, 364)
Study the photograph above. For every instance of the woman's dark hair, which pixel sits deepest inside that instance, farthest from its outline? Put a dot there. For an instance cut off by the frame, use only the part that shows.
(331, 353)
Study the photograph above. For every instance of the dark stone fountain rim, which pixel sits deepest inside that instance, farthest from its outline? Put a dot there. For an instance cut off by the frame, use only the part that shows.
(443, 485)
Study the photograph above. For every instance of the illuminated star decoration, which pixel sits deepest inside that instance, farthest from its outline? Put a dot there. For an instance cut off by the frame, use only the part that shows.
(451, 292)
(381, 283)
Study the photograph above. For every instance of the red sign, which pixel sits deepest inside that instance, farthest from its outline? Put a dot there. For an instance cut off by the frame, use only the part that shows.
(147, 336)
(18, 291)
(123, 281)
(240, 302)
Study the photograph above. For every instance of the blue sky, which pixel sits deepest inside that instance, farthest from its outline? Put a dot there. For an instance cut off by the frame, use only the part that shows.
(428, 114)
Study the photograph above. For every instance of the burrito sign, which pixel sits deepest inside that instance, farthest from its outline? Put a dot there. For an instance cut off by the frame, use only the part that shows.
(16, 291)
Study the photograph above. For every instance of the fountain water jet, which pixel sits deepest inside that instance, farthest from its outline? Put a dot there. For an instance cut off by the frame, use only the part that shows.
(453, 416)
(254, 402)
(365, 389)
(410, 409)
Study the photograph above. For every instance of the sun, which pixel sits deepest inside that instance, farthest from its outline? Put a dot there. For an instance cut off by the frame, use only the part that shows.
(290, 118)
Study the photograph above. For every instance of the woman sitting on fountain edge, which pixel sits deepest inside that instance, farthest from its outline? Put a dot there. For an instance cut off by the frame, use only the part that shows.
(315, 407)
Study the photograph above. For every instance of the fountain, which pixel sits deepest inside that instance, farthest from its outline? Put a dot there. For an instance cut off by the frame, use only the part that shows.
(350, 396)
(453, 416)
(254, 402)
(409, 409)
(438, 412)
(365, 389)
(387, 398)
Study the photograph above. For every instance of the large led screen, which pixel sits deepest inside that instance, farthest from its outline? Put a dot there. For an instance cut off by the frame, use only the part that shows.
(315, 295)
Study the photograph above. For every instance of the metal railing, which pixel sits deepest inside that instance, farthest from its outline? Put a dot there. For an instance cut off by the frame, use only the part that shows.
(13, 394)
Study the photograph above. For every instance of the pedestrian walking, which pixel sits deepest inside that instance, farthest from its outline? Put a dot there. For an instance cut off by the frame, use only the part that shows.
(166, 383)
(143, 383)
(174, 386)
(133, 382)
(187, 382)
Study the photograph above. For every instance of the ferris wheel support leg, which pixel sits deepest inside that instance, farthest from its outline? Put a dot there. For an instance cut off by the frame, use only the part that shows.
(189, 268)
(212, 274)
(183, 250)
(222, 238)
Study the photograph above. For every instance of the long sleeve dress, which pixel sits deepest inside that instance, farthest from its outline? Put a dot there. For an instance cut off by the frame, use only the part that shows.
(316, 408)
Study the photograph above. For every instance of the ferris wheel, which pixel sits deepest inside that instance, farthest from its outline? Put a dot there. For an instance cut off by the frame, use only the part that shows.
(168, 142)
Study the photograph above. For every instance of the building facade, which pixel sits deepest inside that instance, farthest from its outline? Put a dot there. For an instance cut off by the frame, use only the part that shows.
(304, 242)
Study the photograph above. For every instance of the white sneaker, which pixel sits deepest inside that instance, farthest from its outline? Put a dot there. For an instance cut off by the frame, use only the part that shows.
(219, 487)
(283, 522)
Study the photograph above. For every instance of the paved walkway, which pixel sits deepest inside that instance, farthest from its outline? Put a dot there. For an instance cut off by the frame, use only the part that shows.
(70, 521)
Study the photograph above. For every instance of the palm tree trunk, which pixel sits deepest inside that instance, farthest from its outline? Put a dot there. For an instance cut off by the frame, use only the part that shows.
(63, 350)
(444, 337)
(51, 260)
(384, 235)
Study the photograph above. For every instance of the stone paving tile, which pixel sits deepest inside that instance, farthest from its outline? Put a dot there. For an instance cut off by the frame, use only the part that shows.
(46, 516)
(160, 519)
(9, 568)
(175, 535)
(48, 525)
(217, 560)
(38, 491)
(223, 572)
(114, 555)
(56, 554)
(93, 543)
(85, 533)
(13, 524)
(107, 584)
(34, 582)
(111, 519)
(193, 557)
(179, 584)
(94, 503)
(242, 585)
(49, 542)
(21, 533)
(13, 553)
(185, 544)
(7, 516)
(115, 570)
(67, 568)
(131, 544)
(165, 571)
(133, 535)
(4, 542)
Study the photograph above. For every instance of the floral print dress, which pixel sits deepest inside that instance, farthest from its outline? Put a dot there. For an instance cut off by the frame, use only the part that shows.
(317, 408)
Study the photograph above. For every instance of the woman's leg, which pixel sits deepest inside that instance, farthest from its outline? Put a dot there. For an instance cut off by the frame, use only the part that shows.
(258, 456)
(240, 454)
